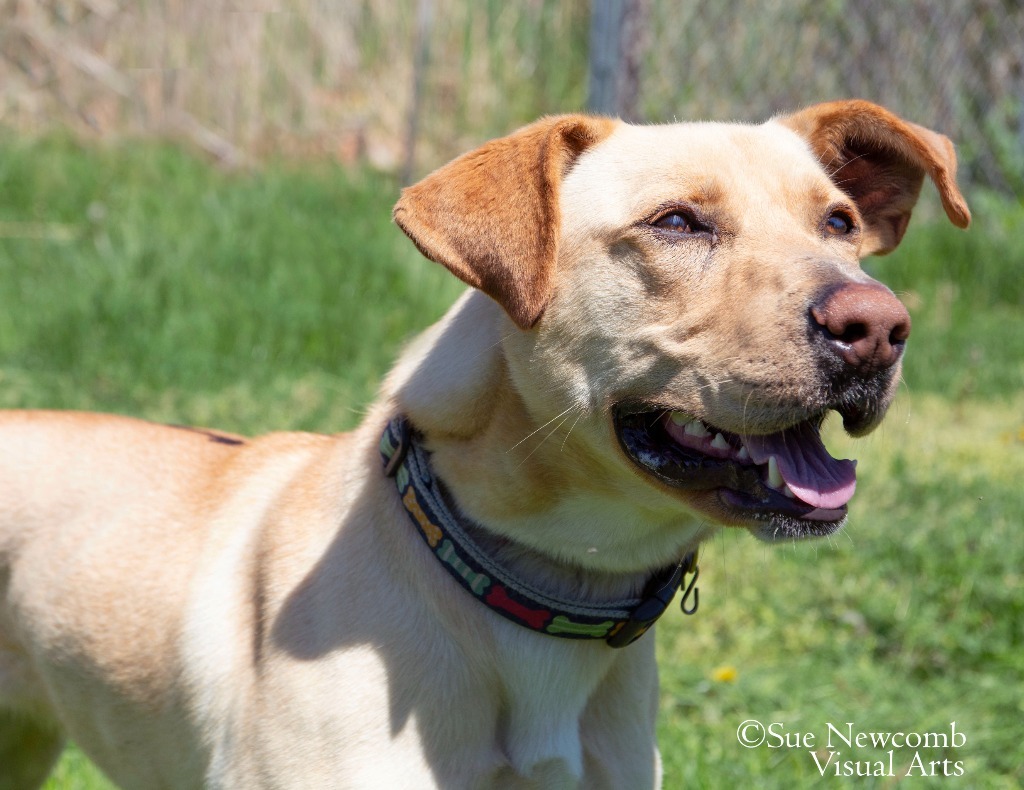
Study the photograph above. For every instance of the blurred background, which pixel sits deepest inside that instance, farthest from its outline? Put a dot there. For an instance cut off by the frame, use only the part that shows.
(195, 228)
(411, 83)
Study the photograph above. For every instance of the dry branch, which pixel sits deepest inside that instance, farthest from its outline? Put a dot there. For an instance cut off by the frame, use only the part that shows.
(106, 75)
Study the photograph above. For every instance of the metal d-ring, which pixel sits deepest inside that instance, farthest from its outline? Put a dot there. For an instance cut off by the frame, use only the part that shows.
(691, 588)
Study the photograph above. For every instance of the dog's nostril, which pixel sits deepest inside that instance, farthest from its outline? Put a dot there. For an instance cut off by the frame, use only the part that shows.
(839, 325)
(851, 333)
(900, 333)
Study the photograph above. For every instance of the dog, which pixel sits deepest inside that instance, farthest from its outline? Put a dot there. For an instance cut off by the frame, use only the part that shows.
(456, 593)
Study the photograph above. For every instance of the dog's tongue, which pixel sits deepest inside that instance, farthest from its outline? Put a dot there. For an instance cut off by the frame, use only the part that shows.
(810, 472)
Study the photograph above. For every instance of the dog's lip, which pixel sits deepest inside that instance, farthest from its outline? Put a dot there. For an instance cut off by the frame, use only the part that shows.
(689, 454)
(777, 504)
(771, 524)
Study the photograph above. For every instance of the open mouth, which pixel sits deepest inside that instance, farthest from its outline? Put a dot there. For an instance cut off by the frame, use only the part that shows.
(785, 481)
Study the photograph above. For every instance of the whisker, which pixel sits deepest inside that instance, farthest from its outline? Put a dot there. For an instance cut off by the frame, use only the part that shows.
(715, 383)
(844, 164)
(578, 417)
(542, 427)
(746, 404)
(550, 433)
(496, 343)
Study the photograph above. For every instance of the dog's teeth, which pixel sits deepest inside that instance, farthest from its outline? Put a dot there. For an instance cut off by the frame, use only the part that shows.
(679, 418)
(787, 492)
(719, 442)
(743, 455)
(774, 476)
(697, 429)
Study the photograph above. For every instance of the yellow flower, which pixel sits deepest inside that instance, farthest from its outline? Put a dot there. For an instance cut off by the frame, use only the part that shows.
(724, 674)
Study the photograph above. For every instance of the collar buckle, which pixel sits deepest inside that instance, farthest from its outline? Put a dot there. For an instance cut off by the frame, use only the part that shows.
(657, 597)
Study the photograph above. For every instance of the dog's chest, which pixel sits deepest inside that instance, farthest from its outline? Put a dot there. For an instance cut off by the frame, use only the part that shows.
(547, 687)
(516, 727)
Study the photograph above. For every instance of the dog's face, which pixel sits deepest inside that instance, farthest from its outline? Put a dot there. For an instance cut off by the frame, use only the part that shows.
(694, 293)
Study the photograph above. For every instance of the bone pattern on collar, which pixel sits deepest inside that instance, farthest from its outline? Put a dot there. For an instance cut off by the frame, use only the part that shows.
(619, 623)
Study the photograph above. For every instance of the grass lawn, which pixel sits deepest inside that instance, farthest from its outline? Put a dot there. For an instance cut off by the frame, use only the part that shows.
(140, 281)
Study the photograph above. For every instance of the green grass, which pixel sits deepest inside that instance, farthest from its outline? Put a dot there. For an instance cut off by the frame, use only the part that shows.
(139, 280)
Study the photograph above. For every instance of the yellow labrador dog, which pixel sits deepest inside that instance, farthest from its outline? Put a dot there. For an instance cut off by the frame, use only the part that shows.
(455, 594)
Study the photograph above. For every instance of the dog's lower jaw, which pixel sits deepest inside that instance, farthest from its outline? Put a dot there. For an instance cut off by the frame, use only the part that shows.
(775, 530)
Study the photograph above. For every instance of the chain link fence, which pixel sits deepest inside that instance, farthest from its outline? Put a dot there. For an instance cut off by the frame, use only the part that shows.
(410, 83)
(957, 67)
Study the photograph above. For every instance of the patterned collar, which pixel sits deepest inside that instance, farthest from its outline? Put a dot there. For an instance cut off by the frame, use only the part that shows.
(619, 623)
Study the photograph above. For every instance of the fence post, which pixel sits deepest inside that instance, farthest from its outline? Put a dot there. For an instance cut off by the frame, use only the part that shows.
(421, 57)
(616, 48)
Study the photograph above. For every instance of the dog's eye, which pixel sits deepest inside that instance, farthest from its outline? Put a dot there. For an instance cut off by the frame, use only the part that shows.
(681, 222)
(838, 224)
(675, 221)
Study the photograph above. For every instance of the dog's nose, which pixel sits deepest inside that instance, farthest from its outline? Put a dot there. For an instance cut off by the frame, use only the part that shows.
(864, 324)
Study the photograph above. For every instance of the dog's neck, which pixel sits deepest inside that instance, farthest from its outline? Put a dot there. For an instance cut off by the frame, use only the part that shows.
(474, 558)
(454, 385)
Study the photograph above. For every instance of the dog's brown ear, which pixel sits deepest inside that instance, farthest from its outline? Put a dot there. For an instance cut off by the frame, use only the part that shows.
(492, 215)
(880, 161)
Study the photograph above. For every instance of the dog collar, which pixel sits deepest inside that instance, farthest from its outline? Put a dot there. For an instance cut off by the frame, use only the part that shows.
(619, 623)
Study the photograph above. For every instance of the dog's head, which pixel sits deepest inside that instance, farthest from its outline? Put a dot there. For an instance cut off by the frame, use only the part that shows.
(693, 294)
